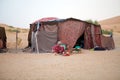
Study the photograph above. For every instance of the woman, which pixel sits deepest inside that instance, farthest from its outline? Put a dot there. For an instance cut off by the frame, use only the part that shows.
(58, 48)
(61, 48)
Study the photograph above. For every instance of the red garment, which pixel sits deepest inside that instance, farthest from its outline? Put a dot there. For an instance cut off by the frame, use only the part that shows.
(58, 49)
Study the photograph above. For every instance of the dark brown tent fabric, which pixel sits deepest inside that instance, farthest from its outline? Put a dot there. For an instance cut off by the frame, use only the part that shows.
(107, 42)
(1, 43)
(98, 35)
(47, 38)
(96, 32)
(3, 37)
(70, 30)
(32, 28)
(92, 38)
(29, 37)
(88, 42)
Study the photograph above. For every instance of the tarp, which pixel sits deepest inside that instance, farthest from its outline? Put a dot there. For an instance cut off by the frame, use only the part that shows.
(47, 38)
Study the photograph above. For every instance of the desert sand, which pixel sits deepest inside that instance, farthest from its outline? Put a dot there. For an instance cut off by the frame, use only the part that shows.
(87, 65)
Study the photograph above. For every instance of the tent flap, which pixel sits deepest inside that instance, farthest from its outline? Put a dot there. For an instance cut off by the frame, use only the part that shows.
(107, 42)
(70, 31)
(47, 38)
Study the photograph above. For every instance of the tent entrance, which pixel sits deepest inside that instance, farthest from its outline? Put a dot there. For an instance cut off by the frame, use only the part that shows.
(80, 41)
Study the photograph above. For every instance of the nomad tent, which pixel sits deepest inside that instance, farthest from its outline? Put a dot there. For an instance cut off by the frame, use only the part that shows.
(46, 32)
(3, 38)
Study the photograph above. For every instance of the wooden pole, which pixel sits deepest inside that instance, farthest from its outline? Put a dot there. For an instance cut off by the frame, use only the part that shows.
(16, 40)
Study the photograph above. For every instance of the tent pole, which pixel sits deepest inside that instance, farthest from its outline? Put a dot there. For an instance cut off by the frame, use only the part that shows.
(36, 41)
(16, 39)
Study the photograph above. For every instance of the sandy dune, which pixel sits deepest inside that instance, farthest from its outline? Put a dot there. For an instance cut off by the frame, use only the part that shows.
(88, 65)
(111, 24)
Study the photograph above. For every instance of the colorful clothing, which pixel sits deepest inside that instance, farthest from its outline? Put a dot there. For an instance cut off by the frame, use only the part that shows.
(58, 49)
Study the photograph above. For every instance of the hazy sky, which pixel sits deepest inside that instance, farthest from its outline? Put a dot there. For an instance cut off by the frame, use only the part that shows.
(21, 13)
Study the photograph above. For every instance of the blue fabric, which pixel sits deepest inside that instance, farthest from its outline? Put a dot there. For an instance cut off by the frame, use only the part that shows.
(77, 47)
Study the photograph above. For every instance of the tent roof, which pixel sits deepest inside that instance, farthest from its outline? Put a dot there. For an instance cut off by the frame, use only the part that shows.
(54, 20)
(46, 19)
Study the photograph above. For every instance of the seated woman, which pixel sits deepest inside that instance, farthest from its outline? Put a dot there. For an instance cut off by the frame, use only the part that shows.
(61, 49)
(58, 48)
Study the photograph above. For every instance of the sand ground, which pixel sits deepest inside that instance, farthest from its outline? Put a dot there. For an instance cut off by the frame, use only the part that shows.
(88, 65)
